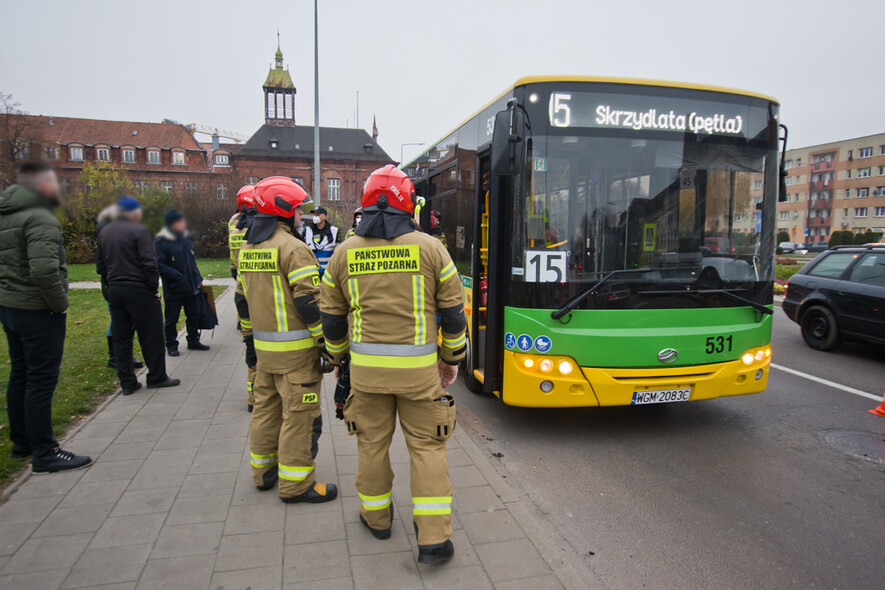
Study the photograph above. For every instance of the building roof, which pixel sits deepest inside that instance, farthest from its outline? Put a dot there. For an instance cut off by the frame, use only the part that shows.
(297, 142)
(66, 130)
(278, 78)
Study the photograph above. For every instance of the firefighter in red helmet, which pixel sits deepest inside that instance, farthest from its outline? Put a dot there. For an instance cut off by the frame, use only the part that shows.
(399, 288)
(277, 288)
(237, 227)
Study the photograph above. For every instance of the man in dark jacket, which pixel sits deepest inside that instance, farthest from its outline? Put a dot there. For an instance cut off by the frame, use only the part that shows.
(33, 303)
(127, 263)
(181, 281)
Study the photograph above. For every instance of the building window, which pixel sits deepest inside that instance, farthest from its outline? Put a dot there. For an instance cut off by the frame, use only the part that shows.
(166, 186)
(863, 192)
(190, 189)
(222, 160)
(178, 158)
(334, 189)
(252, 180)
(784, 215)
(65, 185)
(866, 152)
(221, 191)
(77, 154)
(788, 181)
(863, 172)
(757, 185)
(103, 155)
(880, 211)
(128, 156)
(153, 157)
(880, 191)
(51, 153)
(738, 216)
(881, 170)
(788, 164)
(140, 186)
(860, 211)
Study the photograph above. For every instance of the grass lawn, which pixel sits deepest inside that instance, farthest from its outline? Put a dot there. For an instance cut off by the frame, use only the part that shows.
(85, 379)
(210, 268)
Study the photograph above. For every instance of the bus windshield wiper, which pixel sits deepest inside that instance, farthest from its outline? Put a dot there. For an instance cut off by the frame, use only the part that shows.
(576, 300)
(729, 294)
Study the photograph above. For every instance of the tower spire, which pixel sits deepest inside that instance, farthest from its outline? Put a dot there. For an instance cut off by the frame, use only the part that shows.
(374, 129)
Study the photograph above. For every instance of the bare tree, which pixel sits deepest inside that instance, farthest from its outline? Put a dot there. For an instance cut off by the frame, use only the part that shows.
(17, 132)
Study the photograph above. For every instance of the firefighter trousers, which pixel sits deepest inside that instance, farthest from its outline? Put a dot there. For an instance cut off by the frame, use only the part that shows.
(250, 385)
(285, 429)
(428, 420)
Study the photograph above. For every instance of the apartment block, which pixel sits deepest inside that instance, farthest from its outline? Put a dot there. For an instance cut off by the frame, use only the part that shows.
(838, 186)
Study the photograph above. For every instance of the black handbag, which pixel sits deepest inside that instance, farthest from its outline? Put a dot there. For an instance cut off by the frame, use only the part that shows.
(208, 318)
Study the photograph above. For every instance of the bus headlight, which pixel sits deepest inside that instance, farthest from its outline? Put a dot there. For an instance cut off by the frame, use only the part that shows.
(546, 366)
(760, 356)
(747, 358)
(528, 363)
(565, 367)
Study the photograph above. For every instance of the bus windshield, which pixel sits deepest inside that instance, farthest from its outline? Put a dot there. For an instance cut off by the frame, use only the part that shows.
(682, 213)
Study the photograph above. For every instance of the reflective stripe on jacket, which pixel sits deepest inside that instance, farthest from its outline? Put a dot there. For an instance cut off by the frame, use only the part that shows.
(235, 239)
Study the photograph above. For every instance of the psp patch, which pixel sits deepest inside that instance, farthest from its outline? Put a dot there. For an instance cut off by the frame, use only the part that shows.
(309, 398)
(381, 259)
(316, 280)
(258, 260)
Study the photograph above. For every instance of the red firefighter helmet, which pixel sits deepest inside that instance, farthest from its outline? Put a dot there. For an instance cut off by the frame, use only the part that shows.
(279, 195)
(389, 189)
(245, 197)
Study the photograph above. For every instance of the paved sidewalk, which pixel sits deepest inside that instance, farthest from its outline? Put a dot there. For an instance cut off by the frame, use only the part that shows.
(170, 504)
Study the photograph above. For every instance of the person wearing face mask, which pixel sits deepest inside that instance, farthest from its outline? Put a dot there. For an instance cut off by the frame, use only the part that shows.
(357, 217)
(321, 237)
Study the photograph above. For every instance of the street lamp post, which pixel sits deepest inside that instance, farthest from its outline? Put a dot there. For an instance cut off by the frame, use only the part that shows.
(316, 106)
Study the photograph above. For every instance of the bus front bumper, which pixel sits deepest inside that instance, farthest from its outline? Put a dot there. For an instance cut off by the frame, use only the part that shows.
(527, 384)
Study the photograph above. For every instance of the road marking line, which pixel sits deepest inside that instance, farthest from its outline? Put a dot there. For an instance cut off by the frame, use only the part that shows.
(832, 384)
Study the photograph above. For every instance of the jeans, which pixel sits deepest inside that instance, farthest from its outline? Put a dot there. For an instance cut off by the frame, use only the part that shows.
(36, 344)
(136, 308)
(191, 305)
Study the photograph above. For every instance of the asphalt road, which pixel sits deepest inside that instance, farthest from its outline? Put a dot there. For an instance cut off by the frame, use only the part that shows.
(730, 493)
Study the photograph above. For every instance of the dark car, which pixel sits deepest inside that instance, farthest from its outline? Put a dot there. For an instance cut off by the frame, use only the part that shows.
(840, 295)
(814, 247)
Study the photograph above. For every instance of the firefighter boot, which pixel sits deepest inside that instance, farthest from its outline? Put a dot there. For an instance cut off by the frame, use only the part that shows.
(319, 493)
(269, 479)
(381, 534)
(439, 553)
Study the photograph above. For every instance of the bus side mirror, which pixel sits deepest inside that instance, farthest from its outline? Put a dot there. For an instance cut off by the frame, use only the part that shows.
(510, 140)
(782, 196)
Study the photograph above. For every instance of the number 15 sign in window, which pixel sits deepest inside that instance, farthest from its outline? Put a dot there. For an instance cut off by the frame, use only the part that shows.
(545, 266)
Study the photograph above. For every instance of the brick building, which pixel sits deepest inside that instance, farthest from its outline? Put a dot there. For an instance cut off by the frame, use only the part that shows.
(846, 184)
(161, 154)
(280, 147)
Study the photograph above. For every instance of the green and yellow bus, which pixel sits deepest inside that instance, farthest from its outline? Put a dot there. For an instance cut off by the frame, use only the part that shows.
(615, 239)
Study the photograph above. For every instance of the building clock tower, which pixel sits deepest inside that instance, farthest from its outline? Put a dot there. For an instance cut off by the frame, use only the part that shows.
(279, 94)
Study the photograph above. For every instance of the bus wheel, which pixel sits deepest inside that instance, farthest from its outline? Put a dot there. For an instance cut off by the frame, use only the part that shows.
(820, 328)
(470, 381)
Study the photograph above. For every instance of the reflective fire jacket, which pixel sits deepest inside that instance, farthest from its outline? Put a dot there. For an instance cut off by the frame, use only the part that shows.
(235, 241)
(277, 287)
(394, 290)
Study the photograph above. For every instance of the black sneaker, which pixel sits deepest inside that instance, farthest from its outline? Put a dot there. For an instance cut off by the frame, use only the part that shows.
(169, 382)
(21, 451)
(439, 553)
(319, 493)
(270, 479)
(60, 460)
(250, 408)
(173, 352)
(197, 346)
(380, 533)
(131, 390)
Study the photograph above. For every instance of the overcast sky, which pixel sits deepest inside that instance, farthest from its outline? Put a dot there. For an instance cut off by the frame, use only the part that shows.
(422, 67)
